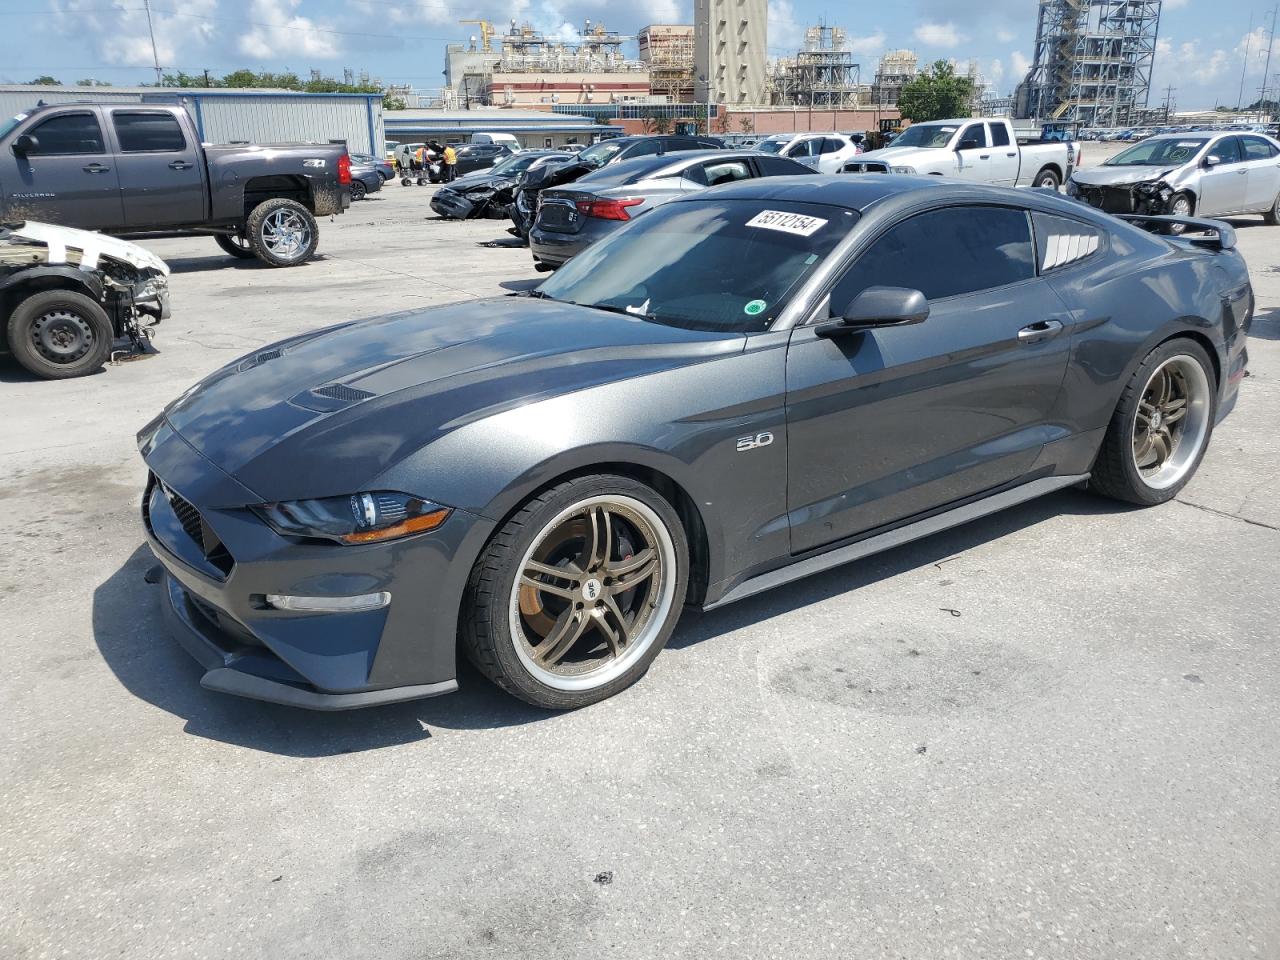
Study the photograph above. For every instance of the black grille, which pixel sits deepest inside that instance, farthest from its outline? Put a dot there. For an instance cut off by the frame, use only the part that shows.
(866, 167)
(1109, 199)
(340, 391)
(188, 516)
(200, 532)
(258, 358)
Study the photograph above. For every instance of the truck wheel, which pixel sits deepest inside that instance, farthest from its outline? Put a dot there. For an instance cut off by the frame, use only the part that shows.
(59, 334)
(234, 244)
(282, 233)
(1046, 178)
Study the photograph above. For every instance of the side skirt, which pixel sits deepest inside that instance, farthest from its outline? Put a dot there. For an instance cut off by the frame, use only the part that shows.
(895, 538)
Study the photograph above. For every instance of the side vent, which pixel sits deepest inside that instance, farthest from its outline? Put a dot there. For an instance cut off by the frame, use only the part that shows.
(259, 358)
(340, 391)
(331, 397)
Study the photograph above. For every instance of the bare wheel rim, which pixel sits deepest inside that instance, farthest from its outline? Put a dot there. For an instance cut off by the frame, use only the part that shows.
(62, 336)
(286, 234)
(237, 240)
(1172, 422)
(593, 592)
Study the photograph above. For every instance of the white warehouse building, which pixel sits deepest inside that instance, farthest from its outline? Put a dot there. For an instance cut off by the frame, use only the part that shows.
(226, 116)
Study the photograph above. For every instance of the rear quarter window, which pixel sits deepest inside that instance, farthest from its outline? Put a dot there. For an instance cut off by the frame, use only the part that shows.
(1061, 241)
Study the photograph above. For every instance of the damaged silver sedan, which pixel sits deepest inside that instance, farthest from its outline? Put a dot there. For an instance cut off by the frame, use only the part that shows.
(1181, 174)
(67, 296)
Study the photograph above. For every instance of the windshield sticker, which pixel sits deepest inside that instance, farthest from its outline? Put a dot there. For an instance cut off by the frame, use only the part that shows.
(796, 223)
(1192, 144)
(754, 308)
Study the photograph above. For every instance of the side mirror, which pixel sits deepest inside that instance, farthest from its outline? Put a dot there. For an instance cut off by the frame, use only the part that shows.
(969, 144)
(1212, 160)
(25, 144)
(878, 307)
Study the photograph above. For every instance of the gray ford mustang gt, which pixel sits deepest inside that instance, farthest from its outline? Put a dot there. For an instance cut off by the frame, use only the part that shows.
(746, 386)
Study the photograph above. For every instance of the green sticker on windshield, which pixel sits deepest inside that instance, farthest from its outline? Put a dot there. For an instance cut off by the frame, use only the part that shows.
(754, 307)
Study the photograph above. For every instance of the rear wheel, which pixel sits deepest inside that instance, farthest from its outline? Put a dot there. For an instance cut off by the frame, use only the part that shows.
(59, 334)
(578, 592)
(358, 190)
(1272, 216)
(282, 233)
(1161, 427)
(235, 244)
(1047, 178)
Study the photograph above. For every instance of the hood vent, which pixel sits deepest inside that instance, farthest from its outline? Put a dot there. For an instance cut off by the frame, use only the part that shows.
(259, 358)
(331, 397)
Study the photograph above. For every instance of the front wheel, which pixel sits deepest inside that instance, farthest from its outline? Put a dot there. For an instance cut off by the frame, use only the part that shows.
(59, 334)
(1047, 178)
(578, 592)
(1272, 216)
(282, 233)
(1161, 427)
(1180, 205)
(236, 245)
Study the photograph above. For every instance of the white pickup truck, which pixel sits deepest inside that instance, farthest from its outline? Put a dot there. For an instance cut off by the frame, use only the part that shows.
(983, 149)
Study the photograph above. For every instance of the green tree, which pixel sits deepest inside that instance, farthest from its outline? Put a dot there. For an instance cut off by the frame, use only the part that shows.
(936, 94)
(394, 103)
(47, 81)
(91, 82)
(662, 122)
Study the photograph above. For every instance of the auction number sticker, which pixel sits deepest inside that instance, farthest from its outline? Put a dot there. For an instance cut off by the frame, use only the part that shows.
(796, 223)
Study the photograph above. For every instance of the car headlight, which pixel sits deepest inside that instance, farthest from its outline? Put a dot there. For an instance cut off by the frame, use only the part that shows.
(360, 518)
(150, 289)
(907, 170)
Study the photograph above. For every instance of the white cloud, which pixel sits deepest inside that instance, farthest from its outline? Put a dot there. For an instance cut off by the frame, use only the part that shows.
(120, 35)
(785, 33)
(279, 31)
(995, 73)
(943, 35)
(1019, 64)
(868, 46)
(1006, 36)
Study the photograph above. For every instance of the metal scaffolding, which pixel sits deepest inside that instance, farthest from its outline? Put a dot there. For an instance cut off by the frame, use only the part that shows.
(1092, 62)
(823, 74)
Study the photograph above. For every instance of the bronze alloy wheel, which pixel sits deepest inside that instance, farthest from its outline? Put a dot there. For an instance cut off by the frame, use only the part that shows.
(1172, 422)
(593, 592)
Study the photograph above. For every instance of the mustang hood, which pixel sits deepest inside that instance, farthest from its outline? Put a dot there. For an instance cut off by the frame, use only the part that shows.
(1104, 176)
(324, 414)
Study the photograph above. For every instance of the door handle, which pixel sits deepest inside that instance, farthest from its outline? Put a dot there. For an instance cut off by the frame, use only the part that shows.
(181, 165)
(1010, 154)
(984, 156)
(1035, 332)
(1242, 172)
(95, 168)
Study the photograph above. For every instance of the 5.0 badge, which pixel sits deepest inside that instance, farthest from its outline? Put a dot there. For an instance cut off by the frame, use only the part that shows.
(751, 443)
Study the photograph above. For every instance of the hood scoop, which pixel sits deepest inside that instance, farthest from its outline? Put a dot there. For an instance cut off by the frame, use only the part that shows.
(331, 397)
(259, 358)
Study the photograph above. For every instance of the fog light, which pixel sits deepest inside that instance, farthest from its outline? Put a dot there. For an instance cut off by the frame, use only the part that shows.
(365, 601)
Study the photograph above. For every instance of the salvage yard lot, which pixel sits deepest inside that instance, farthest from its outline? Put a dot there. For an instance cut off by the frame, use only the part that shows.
(1049, 733)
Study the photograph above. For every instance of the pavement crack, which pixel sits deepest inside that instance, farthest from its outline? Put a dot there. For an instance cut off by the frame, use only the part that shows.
(1229, 516)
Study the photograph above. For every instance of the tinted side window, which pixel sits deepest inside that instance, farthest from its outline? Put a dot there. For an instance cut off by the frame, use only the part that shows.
(779, 167)
(999, 135)
(148, 132)
(831, 145)
(976, 132)
(68, 134)
(944, 253)
(1227, 149)
(1255, 148)
(642, 149)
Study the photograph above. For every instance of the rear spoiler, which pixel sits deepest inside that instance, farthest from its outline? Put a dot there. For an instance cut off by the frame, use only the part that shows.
(1213, 234)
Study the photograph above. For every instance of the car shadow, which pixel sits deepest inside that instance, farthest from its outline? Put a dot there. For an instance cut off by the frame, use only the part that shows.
(696, 626)
(131, 634)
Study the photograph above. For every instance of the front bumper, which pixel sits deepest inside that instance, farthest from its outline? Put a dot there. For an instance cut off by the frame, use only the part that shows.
(221, 561)
(449, 203)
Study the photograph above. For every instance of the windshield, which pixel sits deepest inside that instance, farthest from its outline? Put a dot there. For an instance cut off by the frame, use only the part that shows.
(1174, 151)
(7, 125)
(725, 265)
(600, 154)
(926, 135)
(516, 163)
(771, 146)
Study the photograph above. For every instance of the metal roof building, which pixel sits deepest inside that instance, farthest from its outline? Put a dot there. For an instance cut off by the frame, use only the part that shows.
(225, 115)
(532, 127)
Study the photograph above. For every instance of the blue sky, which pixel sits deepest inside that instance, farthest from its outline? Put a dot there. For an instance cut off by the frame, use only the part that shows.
(1202, 42)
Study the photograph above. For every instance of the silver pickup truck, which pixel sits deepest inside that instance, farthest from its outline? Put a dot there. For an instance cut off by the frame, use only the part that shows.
(138, 168)
(985, 150)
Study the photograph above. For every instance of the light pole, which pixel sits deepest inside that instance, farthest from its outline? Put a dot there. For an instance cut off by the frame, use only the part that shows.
(155, 57)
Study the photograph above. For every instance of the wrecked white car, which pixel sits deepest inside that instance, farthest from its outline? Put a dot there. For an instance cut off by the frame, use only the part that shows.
(67, 296)
(1187, 174)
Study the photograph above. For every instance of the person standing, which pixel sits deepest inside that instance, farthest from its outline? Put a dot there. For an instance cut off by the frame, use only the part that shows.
(450, 163)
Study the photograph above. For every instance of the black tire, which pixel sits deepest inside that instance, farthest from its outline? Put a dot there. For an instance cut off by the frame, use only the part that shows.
(1272, 216)
(406, 181)
(259, 230)
(1180, 205)
(59, 334)
(237, 246)
(1048, 179)
(1115, 472)
(358, 190)
(490, 602)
